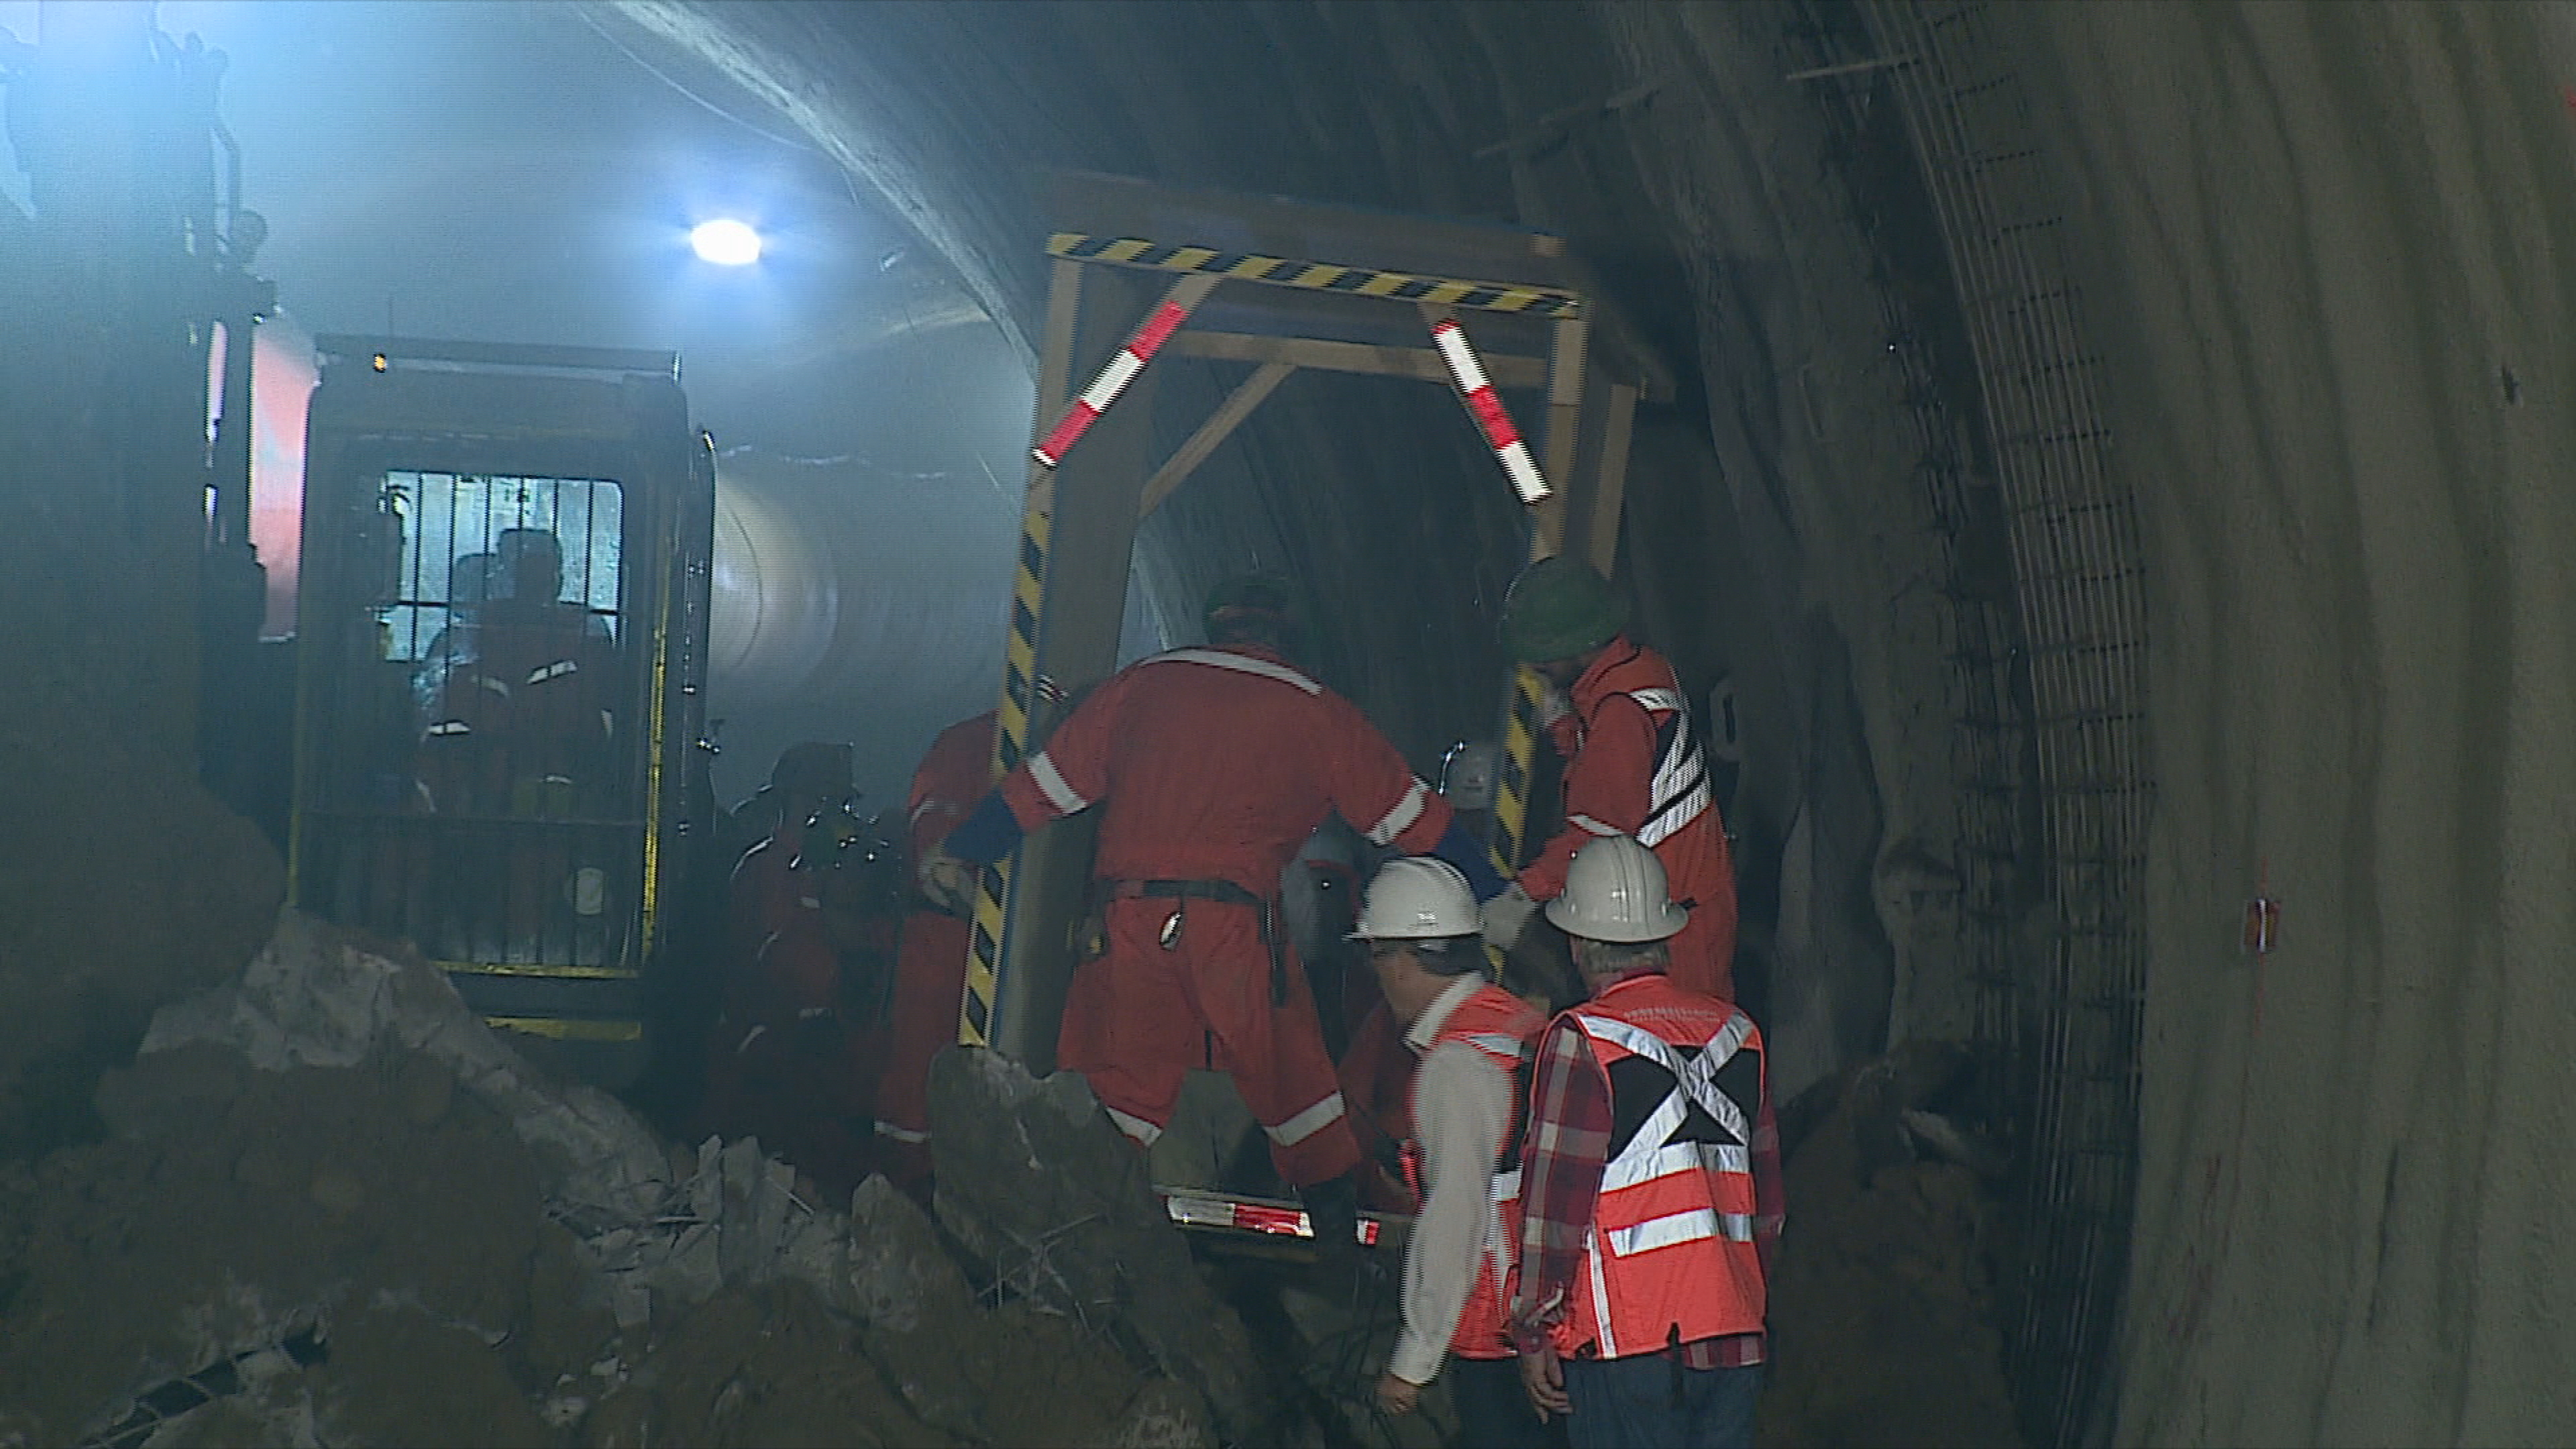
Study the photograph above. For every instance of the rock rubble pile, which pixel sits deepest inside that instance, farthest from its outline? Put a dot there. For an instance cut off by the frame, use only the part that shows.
(333, 1208)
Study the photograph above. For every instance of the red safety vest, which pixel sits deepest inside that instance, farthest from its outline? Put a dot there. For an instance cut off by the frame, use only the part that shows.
(1503, 1029)
(1671, 1249)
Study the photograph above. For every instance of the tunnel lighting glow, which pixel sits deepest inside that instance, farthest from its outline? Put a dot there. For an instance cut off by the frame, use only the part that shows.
(725, 242)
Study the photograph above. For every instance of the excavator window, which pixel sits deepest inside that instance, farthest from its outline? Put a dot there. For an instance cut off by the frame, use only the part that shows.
(464, 520)
(486, 781)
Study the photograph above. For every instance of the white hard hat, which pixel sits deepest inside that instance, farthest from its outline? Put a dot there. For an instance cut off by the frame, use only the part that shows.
(1417, 898)
(1614, 891)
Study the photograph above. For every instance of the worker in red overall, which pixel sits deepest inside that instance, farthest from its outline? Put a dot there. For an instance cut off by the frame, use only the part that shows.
(1634, 766)
(795, 1058)
(1212, 766)
(930, 970)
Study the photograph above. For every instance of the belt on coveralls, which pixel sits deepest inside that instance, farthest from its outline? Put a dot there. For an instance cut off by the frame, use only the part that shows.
(1223, 891)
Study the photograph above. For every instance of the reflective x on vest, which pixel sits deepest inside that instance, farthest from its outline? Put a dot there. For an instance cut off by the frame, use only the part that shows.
(1680, 790)
(1664, 1141)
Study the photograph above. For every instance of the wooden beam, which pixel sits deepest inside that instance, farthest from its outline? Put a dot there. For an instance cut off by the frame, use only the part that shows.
(1622, 348)
(1565, 369)
(1610, 484)
(1442, 246)
(1229, 415)
(1508, 370)
(1083, 603)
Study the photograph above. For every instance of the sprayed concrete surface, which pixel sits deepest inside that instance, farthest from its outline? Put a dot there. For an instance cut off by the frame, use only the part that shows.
(2336, 241)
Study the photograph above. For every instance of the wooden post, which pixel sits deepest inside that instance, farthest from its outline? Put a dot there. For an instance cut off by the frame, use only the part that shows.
(1093, 499)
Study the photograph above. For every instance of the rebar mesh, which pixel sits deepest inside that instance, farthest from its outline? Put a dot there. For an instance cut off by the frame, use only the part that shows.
(2049, 657)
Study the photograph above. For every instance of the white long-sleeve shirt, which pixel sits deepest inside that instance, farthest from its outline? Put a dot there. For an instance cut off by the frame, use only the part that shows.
(1462, 1107)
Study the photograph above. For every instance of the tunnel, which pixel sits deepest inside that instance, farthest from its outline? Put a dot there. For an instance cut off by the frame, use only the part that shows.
(2102, 455)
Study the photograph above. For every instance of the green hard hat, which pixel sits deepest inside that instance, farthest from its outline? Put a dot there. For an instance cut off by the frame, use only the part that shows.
(1559, 608)
(1254, 593)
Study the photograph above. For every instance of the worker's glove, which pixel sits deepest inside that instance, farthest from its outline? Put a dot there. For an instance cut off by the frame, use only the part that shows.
(1506, 916)
(948, 882)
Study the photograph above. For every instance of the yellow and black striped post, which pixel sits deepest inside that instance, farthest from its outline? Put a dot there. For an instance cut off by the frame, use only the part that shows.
(1018, 710)
(1513, 776)
(1526, 696)
(1020, 698)
(1068, 596)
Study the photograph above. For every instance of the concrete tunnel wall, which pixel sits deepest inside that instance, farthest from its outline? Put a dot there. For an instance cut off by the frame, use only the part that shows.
(2312, 294)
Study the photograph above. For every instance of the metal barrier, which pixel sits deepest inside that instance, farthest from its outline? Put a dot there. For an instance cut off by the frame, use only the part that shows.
(2048, 620)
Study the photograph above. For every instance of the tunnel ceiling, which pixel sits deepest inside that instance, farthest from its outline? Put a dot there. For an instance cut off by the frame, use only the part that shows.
(2037, 362)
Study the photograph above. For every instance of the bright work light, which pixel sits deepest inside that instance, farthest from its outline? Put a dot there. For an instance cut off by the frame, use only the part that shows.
(725, 242)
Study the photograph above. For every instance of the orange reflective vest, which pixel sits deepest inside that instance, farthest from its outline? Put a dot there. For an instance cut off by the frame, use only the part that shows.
(1503, 1030)
(1671, 1256)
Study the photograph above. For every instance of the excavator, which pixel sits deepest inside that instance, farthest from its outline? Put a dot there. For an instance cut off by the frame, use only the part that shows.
(500, 674)
(494, 693)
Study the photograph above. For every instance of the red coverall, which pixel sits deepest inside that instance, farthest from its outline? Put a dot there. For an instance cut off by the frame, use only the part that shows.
(1214, 764)
(1634, 768)
(780, 1069)
(930, 971)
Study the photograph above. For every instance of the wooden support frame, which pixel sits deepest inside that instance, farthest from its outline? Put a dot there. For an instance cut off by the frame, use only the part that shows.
(1610, 480)
(1539, 324)
(1228, 416)
(1564, 430)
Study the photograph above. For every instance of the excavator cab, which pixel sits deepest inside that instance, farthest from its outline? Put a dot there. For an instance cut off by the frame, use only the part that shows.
(503, 621)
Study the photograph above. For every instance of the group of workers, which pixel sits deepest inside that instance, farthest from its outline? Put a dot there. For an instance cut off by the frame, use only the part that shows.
(810, 926)
(1600, 1191)
(839, 980)
(1597, 1191)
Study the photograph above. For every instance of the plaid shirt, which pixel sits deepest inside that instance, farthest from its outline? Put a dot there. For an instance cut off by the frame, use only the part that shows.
(1568, 1149)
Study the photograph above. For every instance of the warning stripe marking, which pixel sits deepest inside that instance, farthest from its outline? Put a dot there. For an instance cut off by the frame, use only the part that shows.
(1213, 1210)
(1149, 337)
(1520, 758)
(1317, 276)
(1010, 745)
(1486, 406)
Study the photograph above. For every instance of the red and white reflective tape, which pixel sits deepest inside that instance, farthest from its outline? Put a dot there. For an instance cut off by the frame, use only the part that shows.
(1158, 328)
(1487, 407)
(1208, 1210)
